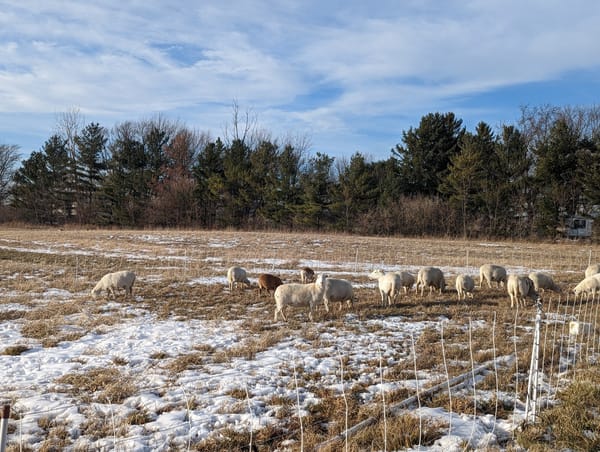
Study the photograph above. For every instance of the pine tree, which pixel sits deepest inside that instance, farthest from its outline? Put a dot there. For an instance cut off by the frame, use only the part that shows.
(462, 184)
(555, 177)
(238, 194)
(588, 168)
(317, 186)
(41, 187)
(287, 190)
(507, 192)
(125, 187)
(209, 176)
(91, 144)
(262, 182)
(30, 189)
(425, 156)
(355, 191)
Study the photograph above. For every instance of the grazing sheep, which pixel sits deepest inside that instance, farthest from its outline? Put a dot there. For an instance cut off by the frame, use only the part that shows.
(591, 284)
(489, 273)
(389, 284)
(338, 290)
(592, 270)
(112, 281)
(268, 282)
(464, 286)
(543, 282)
(307, 275)
(519, 288)
(300, 295)
(236, 276)
(431, 277)
(407, 280)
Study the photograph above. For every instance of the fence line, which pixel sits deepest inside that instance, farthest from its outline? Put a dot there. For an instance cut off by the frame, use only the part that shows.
(571, 351)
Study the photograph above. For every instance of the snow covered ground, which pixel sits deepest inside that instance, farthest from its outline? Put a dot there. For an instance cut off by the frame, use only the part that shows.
(183, 407)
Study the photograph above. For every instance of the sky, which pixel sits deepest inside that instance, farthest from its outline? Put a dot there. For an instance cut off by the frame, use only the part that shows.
(347, 76)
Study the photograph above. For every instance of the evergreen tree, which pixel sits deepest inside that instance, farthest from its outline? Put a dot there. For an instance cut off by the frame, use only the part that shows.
(555, 177)
(263, 174)
(287, 191)
(125, 187)
(209, 175)
(507, 190)
(462, 184)
(425, 156)
(386, 174)
(588, 168)
(238, 194)
(41, 185)
(91, 144)
(30, 192)
(317, 186)
(355, 191)
(155, 137)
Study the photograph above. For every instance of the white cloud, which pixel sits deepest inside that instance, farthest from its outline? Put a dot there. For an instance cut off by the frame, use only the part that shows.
(135, 58)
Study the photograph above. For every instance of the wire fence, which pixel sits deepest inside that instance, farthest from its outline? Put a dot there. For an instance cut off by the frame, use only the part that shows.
(563, 346)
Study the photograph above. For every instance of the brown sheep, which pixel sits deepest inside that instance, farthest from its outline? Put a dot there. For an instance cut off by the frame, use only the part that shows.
(307, 275)
(268, 282)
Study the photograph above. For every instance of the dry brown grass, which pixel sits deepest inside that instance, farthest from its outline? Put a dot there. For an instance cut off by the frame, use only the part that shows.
(102, 385)
(14, 350)
(33, 261)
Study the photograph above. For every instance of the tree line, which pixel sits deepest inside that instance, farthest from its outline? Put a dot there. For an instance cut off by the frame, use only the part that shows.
(520, 180)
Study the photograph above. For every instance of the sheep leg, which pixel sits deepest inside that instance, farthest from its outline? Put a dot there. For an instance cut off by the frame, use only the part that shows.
(280, 311)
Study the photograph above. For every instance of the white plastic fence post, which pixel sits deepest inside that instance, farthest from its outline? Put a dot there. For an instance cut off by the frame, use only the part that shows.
(4, 427)
(532, 386)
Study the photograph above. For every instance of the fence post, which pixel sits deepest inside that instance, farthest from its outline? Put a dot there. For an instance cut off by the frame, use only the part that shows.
(4, 427)
(532, 385)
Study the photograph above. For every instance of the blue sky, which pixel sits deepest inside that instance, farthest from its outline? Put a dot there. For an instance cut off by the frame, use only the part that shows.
(347, 75)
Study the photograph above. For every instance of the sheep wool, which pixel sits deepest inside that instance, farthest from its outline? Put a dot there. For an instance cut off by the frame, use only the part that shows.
(111, 282)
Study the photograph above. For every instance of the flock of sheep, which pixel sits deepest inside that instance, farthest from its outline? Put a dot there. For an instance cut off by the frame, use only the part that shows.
(316, 289)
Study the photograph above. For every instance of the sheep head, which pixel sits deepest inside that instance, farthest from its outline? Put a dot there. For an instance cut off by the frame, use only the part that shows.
(376, 274)
(320, 281)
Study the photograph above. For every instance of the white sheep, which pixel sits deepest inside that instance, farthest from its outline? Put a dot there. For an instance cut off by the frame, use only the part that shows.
(543, 282)
(407, 280)
(300, 295)
(389, 284)
(491, 272)
(307, 275)
(464, 286)
(338, 290)
(110, 282)
(236, 276)
(592, 270)
(431, 277)
(519, 288)
(589, 285)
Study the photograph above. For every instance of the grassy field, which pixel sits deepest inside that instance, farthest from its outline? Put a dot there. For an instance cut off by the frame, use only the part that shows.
(45, 305)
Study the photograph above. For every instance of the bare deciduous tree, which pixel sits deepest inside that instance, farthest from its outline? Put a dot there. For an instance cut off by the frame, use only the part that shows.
(68, 126)
(9, 157)
(241, 128)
